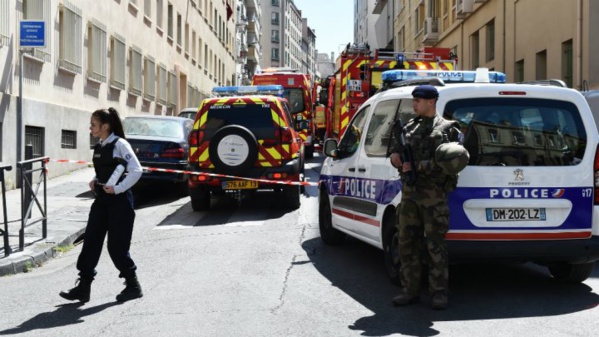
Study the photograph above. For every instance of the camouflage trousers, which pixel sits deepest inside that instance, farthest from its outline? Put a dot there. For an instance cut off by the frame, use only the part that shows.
(424, 221)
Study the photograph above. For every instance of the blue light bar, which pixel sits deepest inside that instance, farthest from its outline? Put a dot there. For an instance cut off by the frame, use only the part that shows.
(276, 90)
(455, 76)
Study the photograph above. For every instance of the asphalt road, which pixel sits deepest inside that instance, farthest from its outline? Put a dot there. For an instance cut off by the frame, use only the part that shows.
(260, 270)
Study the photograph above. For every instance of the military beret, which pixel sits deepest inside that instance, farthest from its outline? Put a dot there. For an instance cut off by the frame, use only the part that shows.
(426, 92)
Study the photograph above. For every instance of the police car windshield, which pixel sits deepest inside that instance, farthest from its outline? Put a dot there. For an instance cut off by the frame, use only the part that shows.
(519, 131)
(295, 97)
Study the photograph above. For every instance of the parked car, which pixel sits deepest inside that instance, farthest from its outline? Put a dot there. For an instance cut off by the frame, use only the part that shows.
(160, 142)
(249, 134)
(188, 113)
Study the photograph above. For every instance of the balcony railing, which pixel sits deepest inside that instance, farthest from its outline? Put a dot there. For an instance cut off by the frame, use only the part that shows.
(242, 21)
(253, 24)
(254, 53)
(252, 38)
(431, 30)
(378, 6)
(464, 8)
(251, 4)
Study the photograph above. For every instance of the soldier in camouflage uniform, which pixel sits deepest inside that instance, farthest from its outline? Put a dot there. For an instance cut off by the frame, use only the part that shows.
(424, 214)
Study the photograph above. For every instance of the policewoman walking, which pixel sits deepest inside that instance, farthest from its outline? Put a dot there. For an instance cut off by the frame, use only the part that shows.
(112, 211)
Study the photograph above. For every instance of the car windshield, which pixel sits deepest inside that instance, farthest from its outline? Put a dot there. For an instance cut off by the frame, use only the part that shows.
(188, 114)
(256, 117)
(155, 127)
(519, 131)
(295, 97)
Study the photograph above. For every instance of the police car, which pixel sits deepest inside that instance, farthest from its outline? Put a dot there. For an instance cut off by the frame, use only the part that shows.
(529, 192)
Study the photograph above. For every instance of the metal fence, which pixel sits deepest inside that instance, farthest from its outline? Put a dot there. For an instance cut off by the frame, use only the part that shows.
(30, 196)
(4, 231)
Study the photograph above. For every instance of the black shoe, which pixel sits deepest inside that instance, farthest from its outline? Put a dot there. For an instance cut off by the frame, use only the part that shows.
(439, 301)
(132, 290)
(80, 292)
(405, 298)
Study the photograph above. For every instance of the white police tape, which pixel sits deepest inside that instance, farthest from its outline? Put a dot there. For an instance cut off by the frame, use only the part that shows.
(154, 169)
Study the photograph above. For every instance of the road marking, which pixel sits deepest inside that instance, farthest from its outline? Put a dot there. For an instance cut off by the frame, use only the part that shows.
(245, 224)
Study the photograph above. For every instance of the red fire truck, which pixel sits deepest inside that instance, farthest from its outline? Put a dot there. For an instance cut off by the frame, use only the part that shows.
(358, 76)
(298, 91)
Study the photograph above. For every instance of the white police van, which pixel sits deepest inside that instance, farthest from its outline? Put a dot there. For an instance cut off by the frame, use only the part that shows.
(529, 193)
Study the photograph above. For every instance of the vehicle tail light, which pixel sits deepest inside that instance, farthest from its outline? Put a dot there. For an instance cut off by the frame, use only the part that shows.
(277, 175)
(596, 176)
(203, 178)
(196, 179)
(512, 93)
(177, 152)
(286, 136)
(196, 137)
(356, 94)
(193, 138)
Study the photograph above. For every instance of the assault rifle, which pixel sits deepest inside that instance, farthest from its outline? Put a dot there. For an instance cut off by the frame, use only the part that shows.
(406, 155)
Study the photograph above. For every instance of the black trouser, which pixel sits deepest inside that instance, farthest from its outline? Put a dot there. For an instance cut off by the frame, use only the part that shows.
(112, 214)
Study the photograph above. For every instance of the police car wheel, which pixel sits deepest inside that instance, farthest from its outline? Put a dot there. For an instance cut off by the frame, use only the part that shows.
(571, 273)
(328, 234)
(390, 242)
(233, 149)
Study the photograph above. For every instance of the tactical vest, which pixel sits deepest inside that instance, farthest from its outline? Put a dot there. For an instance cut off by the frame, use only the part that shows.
(425, 136)
(104, 161)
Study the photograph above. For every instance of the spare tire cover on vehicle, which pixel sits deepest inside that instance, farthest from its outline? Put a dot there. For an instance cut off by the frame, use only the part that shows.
(233, 149)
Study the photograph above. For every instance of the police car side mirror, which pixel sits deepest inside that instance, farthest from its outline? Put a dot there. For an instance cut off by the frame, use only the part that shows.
(330, 148)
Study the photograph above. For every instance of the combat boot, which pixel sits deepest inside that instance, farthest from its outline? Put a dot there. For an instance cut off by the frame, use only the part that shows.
(439, 300)
(405, 298)
(80, 292)
(132, 290)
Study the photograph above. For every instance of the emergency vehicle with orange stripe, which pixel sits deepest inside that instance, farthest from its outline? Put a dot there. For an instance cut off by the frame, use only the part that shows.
(250, 134)
(298, 91)
(357, 77)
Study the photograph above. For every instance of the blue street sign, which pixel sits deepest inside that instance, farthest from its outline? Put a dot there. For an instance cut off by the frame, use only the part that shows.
(32, 33)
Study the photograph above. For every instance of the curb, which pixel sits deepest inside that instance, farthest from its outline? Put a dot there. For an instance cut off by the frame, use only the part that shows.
(40, 253)
(67, 216)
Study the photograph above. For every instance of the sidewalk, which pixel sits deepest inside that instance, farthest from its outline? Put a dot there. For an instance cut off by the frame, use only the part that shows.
(68, 200)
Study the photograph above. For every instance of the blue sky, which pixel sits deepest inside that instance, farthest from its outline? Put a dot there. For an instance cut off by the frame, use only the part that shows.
(333, 21)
